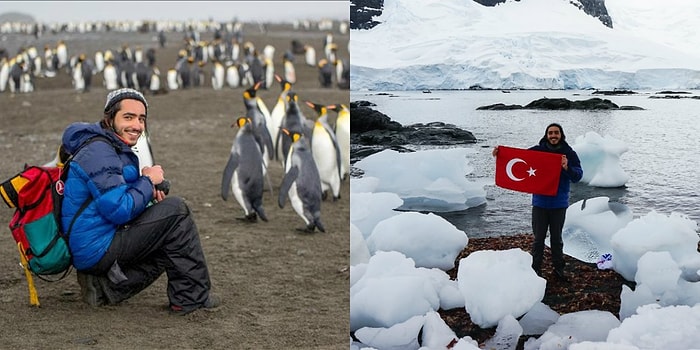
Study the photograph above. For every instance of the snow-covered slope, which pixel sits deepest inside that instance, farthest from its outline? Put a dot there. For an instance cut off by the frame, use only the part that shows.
(529, 44)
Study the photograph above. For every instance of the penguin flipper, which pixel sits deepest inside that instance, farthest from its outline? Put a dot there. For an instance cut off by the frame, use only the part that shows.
(336, 146)
(287, 182)
(231, 166)
(267, 139)
(277, 144)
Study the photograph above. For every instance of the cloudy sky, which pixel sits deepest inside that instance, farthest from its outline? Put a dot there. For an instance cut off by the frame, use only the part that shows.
(64, 11)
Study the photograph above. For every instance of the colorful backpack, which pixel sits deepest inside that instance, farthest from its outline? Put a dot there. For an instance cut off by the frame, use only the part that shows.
(36, 194)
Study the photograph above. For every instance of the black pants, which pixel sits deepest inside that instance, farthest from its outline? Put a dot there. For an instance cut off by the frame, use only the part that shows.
(554, 220)
(163, 239)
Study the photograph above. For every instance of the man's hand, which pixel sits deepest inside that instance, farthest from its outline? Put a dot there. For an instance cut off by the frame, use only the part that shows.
(155, 173)
(158, 195)
(564, 162)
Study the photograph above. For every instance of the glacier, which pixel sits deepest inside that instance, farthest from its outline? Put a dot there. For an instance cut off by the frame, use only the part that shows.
(534, 44)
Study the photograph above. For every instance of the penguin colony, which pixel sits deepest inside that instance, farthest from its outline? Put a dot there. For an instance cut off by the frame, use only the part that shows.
(225, 61)
(308, 148)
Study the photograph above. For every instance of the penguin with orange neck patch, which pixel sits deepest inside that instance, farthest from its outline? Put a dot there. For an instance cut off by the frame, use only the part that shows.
(301, 183)
(243, 175)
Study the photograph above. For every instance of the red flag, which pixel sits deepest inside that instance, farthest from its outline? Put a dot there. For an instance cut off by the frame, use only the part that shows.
(528, 171)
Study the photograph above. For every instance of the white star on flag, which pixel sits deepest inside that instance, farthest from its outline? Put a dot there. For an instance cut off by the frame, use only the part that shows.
(531, 171)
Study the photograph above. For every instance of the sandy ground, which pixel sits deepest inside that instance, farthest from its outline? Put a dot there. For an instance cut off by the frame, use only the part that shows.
(281, 289)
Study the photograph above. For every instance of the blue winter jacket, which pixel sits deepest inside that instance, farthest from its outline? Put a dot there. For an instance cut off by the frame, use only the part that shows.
(574, 174)
(107, 172)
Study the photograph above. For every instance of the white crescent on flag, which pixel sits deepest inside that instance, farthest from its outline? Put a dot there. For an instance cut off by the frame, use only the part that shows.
(509, 169)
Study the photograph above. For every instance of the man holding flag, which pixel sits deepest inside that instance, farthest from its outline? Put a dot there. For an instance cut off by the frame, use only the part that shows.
(545, 170)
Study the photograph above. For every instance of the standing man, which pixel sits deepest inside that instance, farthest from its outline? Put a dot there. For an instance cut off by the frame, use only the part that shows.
(119, 241)
(549, 212)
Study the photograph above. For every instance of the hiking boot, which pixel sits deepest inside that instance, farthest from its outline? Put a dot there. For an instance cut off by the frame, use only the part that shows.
(212, 303)
(90, 290)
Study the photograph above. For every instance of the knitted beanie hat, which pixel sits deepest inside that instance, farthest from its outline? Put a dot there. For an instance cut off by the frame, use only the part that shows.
(123, 94)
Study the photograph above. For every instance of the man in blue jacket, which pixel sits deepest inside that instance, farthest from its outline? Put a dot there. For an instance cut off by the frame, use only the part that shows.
(550, 211)
(120, 243)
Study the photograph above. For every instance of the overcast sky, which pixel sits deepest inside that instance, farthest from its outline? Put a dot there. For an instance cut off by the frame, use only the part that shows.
(65, 11)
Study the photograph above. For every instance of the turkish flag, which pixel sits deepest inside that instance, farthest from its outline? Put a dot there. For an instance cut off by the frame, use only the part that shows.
(527, 170)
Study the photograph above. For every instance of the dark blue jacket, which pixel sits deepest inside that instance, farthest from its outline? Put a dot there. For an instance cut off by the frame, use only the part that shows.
(107, 172)
(574, 174)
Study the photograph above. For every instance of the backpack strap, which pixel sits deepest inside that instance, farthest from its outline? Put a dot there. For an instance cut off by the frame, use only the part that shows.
(58, 206)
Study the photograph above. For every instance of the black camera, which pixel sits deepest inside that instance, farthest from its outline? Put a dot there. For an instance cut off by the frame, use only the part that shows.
(164, 186)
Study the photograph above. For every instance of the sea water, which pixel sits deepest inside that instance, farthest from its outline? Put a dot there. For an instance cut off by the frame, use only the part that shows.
(662, 161)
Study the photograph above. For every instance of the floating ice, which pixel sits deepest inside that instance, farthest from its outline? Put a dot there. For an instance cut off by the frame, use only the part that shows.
(600, 160)
(430, 180)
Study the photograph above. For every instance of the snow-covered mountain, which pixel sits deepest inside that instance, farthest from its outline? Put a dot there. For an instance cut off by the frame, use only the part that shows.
(528, 44)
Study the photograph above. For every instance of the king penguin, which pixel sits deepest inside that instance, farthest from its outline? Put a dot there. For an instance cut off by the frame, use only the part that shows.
(290, 74)
(4, 73)
(326, 152)
(77, 76)
(15, 75)
(269, 73)
(342, 134)
(142, 149)
(154, 86)
(62, 54)
(294, 121)
(278, 113)
(302, 183)
(217, 75)
(110, 76)
(233, 79)
(309, 55)
(99, 62)
(259, 115)
(243, 174)
(173, 79)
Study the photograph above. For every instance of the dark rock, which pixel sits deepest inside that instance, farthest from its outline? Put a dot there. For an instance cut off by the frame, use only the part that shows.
(666, 92)
(362, 13)
(593, 8)
(550, 104)
(372, 131)
(366, 119)
(675, 97)
(359, 151)
(559, 104)
(499, 107)
(597, 9)
(613, 92)
(356, 104)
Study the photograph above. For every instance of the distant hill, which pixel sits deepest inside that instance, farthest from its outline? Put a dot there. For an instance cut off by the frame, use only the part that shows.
(16, 17)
